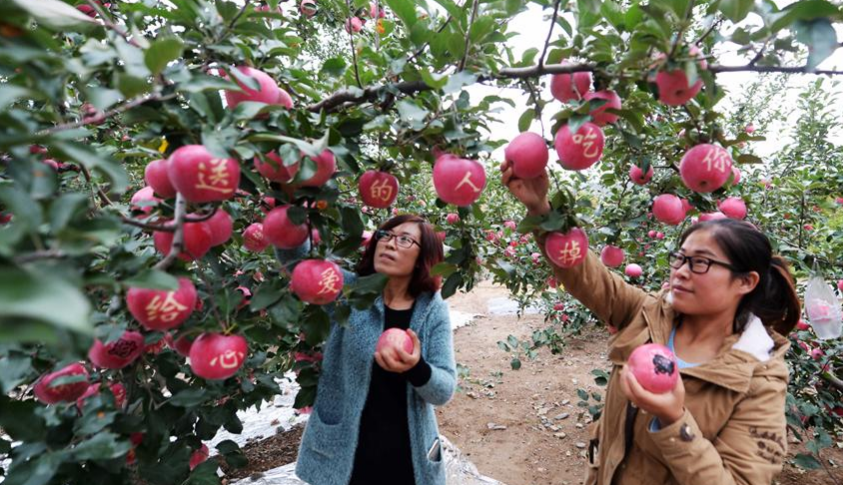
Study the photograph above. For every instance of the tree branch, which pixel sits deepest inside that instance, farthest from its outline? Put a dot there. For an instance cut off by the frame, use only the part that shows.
(178, 237)
(108, 114)
(38, 255)
(549, 32)
(834, 381)
(351, 43)
(149, 227)
(468, 36)
(782, 69)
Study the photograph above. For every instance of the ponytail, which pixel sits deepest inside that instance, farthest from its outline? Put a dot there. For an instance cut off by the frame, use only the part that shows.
(778, 304)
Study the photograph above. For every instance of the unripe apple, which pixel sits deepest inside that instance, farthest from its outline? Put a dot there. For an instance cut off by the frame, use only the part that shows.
(733, 207)
(201, 177)
(705, 168)
(267, 92)
(308, 7)
(654, 367)
(599, 115)
(458, 181)
(674, 88)
(157, 176)
(221, 226)
(581, 150)
(569, 249)
(667, 208)
(711, 216)
(254, 239)
(117, 354)
(280, 231)
(392, 339)
(354, 24)
(570, 87)
(750, 128)
(275, 170)
(63, 392)
(199, 456)
(378, 189)
(638, 176)
(326, 166)
(197, 241)
(143, 195)
(162, 309)
(612, 256)
(214, 356)
(317, 281)
(633, 270)
(528, 154)
(736, 175)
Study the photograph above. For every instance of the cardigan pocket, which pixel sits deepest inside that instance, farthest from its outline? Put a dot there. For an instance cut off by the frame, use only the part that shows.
(324, 439)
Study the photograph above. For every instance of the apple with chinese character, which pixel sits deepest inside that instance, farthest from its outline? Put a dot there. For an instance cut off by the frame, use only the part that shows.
(215, 356)
(162, 309)
(221, 227)
(705, 168)
(281, 232)
(157, 176)
(654, 367)
(274, 168)
(48, 393)
(254, 239)
(567, 250)
(202, 177)
(581, 150)
(668, 208)
(570, 87)
(637, 175)
(612, 256)
(317, 281)
(119, 353)
(326, 166)
(378, 189)
(197, 241)
(527, 154)
(458, 181)
(599, 115)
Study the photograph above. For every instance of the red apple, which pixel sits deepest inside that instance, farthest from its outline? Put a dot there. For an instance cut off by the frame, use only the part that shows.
(116, 388)
(711, 216)
(392, 339)
(659, 235)
(157, 176)
(146, 196)
(452, 218)
(378, 189)
(275, 170)
(750, 128)
(840, 285)
(705, 168)
(654, 367)
(375, 12)
(569, 249)
(528, 154)
(221, 226)
(308, 7)
(119, 353)
(182, 345)
(581, 150)
(281, 232)
(197, 241)
(215, 356)
(49, 394)
(667, 208)
(638, 176)
(199, 456)
(612, 256)
(201, 177)
(326, 166)
(162, 309)
(733, 207)
(354, 24)
(570, 87)
(736, 175)
(674, 89)
(599, 115)
(458, 181)
(268, 91)
(633, 270)
(317, 281)
(254, 239)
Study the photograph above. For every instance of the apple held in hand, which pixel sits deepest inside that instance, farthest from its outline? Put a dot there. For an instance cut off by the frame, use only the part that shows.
(394, 338)
(119, 353)
(654, 367)
(458, 181)
(528, 155)
(317, 281)
(214, 356)
(202, 177)
(378, 189)
(48, 393)
(162, 309)
(569, 249)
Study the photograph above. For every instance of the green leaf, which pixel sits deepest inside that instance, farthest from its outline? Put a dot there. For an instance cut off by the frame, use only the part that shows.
(526, 119)
(820, 37)
(204, 474)
(451, 284)
(153, 279)
(9, 93)
(103, 446)
(267, 294)
(434, 80)
(806, 461)
(735, 10)
(458, 80)
(19, 421)
(582, 394)
(189, 398)
(45, 297)
(57, 15)
(404, 10)
(89, 157)
(334, 67)
(803, 10)
(161, 52)
(515, 363)
(410, 111)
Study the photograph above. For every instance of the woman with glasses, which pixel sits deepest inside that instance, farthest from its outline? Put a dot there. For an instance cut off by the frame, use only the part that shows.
(727, 307)
(373, 421)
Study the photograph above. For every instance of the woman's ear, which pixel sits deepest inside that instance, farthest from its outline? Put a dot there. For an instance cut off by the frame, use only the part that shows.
(748, 282)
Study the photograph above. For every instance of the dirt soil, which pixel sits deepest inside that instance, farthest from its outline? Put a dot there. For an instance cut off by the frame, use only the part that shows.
(520, 427)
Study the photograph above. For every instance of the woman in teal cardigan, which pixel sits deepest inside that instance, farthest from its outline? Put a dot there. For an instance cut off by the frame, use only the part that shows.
(373, 420)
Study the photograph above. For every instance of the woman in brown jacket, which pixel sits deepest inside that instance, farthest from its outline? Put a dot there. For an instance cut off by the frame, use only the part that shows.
(727, 307)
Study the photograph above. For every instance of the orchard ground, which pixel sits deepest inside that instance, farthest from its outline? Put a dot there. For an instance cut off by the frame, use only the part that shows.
(521, 427)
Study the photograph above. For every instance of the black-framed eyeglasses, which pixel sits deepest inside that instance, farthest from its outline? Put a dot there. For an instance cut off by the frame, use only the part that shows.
(697, 264)
(401, 240)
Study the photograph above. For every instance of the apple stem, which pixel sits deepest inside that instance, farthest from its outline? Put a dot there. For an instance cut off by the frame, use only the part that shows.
(178, 237)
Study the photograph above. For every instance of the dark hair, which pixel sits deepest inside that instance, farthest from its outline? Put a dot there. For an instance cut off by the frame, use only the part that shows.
(430, 255)
(774, 299)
